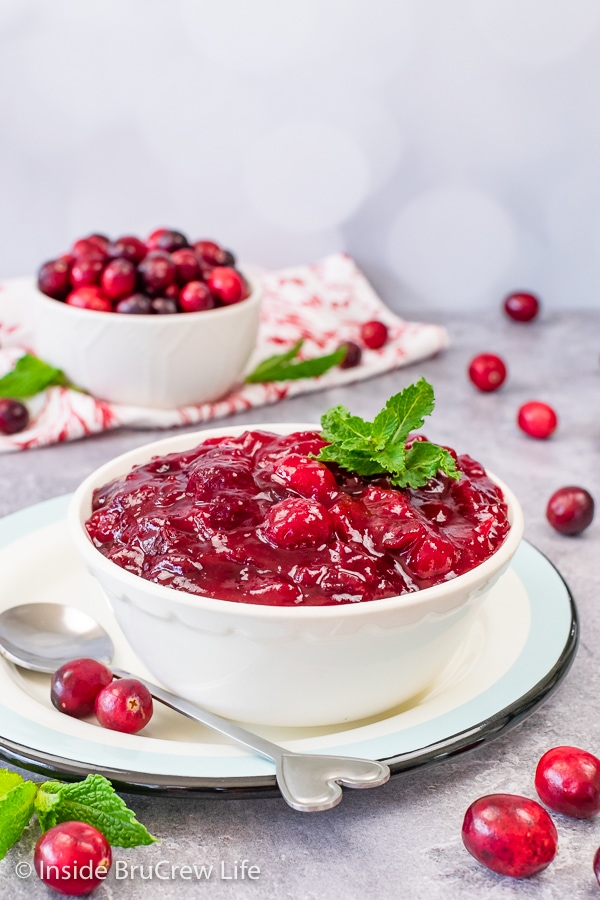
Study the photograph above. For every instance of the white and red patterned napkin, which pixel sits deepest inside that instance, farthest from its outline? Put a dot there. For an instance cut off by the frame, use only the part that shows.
(324, 303)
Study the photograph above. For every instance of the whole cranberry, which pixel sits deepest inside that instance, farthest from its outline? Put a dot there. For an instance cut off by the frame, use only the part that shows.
(89, 298)
(118, 279)
(521, 306)
(54, 278)
(172, 291)
(124, 705)
(72, 858)
(128, 247)
(14, 416)
(568, 781)
(296, 522)
(164, 306)
(188, 268)
(86, 271)
(537, 419)
(136, 304)
(374, 334)
(212, 253)
(570, 509)
(196, 296)
(88, 248)
(100, 241)
(487, 372)
(166, 239)
(228, 285)
(353, 355)
(511, 835)
(76, 684)
(158, 272)
(306, 477)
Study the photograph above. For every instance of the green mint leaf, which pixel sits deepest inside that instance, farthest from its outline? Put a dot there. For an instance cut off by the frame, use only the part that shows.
(282, 367)
(403, 413)
(93, 801)
(423, 461)
(30, 376)
(341, 428)
(16, 808)
(351, 461)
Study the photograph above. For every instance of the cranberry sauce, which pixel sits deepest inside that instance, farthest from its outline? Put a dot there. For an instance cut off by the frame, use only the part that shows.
(254, 519)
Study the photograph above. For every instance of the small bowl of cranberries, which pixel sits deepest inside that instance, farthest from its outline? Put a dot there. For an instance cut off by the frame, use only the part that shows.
(157, 323)
(273, 588)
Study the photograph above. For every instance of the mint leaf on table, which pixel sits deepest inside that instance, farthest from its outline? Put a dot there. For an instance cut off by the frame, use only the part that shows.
(30, 376)
(93, 801)
(379, 447)
(282, 366)
(16, 808)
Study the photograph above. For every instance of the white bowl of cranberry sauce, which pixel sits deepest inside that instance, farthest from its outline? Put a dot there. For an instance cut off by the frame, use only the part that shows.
(274, 589)
(160, 323)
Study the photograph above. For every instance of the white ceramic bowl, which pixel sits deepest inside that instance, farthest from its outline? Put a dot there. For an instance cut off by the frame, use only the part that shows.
(286, 666)
(162, 361)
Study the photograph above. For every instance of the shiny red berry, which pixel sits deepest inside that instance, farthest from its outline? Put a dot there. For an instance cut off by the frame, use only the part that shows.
(157, 271)
(374, 334)
(212, 253)
(101, 241)
(166, 239)
(14, 416)
(72, 858)
(188, 267)
(85, 247)
(89, 298)
(195, 297)
(54, 278)
(570, 509)
(537, 419)
(228, 285)
(118, 279)
(86, 271)
(353, 355)
(568, 781)
(487, 372)
(76, 684)
(128, 247)
(124, 705)
(136, 304)
(297, 522)
(522, 307)
(511, 835)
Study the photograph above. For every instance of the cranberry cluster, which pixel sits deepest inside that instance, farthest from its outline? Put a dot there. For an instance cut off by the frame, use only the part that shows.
(164, 274)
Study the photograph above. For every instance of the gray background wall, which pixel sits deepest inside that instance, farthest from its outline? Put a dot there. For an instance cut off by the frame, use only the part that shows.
(451, 146)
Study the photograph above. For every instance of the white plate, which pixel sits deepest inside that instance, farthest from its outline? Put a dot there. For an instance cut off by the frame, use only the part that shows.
(517, 652)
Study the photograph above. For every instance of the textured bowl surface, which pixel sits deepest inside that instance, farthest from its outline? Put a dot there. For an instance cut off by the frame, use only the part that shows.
(155, 361)
(296, 666)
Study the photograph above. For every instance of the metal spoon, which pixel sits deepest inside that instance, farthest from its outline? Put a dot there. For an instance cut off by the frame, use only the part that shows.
(43, 636)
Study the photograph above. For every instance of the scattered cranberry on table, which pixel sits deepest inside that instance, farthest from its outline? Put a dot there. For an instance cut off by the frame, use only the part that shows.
(374, 334)
(568, 781)
(76, 684)
(511, 835)
(14, 416)
(72, 858)
(521, 306)
(353, 355)
(487, 372)
(570, 509)
(124, 705)
(537, 419)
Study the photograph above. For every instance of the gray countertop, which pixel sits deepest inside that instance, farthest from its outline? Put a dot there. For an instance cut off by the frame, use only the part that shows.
(402, 840)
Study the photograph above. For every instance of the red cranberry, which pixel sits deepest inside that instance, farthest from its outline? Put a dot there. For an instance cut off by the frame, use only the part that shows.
(137, 304)
(196, 296)
(124, 705)
(188, 268)
(129, 247)
(296, 522)
(228, 258)
(54, 278)
(568, 781)
(306, 477)
(510, 835)
(86, 271)
(100, 241)
(487, 372)
(570, 509)
(164, 306)
(536, 419)
(212, 254)
(166, 239)
(228, 285)
(172, 291)
(118, 279)
(353, 355)
(522, 307)
(158, 272)
(89, 298)
(374, 334)
(76, 684)
(72, 858)
(14, 416)
(88, 248)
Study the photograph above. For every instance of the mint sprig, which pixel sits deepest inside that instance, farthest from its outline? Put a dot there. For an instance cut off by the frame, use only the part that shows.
(282, 366)
(379, 447)
(93, 801)
(30, 376)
